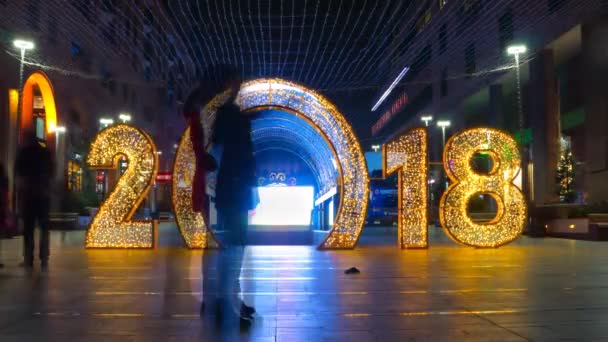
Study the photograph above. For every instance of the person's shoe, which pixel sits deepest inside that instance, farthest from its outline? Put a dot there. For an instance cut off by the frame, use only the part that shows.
(1, 265)
(201, 311)
(27, 264)
(247, 310)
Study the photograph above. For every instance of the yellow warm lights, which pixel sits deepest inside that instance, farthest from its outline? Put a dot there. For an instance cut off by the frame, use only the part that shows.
(296, 99)
(112, 226)
(408, 155)
(498, 183)
(48, 98)
(192, 226)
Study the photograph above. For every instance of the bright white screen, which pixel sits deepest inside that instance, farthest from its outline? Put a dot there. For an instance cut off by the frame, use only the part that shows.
(283, 206)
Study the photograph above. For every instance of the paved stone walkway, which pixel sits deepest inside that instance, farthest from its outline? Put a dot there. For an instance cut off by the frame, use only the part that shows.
(534, 289)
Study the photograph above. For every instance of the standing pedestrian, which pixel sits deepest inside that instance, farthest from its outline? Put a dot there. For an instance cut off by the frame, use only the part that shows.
(234, 195)
(34, 169)
(4, 210)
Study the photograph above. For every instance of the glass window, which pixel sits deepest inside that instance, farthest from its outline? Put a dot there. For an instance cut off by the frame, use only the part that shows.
(74, 177)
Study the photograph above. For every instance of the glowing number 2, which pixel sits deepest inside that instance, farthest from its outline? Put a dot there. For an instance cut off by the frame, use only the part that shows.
(112, 226)
(407, 155)
(498, 183)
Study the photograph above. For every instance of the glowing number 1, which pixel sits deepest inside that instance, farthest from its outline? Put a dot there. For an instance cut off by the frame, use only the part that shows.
(407, 155)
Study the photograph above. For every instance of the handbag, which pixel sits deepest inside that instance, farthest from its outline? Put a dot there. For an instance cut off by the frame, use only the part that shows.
(8, 226)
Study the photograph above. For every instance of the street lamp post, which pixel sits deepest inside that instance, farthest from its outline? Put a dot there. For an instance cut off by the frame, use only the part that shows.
(426, 120)
(429, 187)
(516, 51)
(58, 131)
(443, 124)
(23, 46)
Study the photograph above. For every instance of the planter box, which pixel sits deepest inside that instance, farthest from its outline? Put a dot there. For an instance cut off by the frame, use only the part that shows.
(84, 221)
(578, 228)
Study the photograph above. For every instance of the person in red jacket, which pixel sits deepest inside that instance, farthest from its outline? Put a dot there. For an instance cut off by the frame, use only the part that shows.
(204, 162)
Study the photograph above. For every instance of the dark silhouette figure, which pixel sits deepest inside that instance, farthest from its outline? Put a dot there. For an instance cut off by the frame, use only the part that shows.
(34, 169)
(233, 199)
(4, 210)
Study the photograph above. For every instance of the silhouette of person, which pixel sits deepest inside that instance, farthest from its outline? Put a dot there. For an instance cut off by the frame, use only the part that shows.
(3, 202)
(34, 169)
(234, 198)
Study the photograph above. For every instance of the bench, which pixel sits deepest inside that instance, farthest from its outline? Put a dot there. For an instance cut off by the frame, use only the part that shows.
(63, 221)
(598, 226)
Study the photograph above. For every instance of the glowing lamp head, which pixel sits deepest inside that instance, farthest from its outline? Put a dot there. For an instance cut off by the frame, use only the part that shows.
(376, 148)
(60, 129)
(443, 123)
(23, 44)
(106, 121)
(124, 117)
(516, 49)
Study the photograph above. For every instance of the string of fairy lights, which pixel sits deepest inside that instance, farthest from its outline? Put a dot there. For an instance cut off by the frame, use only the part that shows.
(112, 227)
(465, 182)
(324, 117)
(407, 155)
(329, 45)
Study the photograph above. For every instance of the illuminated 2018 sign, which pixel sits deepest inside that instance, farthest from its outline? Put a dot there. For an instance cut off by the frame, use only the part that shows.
(406, 155)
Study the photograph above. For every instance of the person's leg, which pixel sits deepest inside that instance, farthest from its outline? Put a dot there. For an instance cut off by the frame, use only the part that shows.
(210, 288)
(237, 262)
(29, 222)
(224, 309)
(43, 221)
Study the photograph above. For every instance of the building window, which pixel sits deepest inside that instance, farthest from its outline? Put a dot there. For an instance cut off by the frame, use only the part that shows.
(470, 64)
(423, 20)
(39, 115)
(505, 30)
(555, 5)
(443, 38)
(52, 28)
(444, 82)
(33, 14)
(74, 176)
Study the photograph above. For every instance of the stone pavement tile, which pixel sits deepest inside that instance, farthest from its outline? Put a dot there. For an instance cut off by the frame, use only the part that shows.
(483, 335)
(53, 337)
(321, 335)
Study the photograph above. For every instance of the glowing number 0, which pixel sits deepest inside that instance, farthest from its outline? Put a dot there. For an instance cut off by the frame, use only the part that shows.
(407, 155)
(112, 226)
(498, 183)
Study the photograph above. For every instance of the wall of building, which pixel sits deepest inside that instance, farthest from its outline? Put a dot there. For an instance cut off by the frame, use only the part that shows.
(481, 90)
(93, 74)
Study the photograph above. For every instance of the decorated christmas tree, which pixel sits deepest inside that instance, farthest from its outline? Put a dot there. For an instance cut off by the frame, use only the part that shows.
(565, 174)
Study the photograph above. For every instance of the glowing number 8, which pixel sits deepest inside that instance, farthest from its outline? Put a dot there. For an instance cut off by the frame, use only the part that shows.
(498, 183)
(112, 226)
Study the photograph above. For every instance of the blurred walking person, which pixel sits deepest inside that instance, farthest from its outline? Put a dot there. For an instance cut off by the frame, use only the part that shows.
(4, 210)
(234, 195)
(34, 169)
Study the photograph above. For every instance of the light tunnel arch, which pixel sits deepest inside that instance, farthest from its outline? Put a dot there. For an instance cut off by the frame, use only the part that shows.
(40, 80)
(278, 130)
(321, 115)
